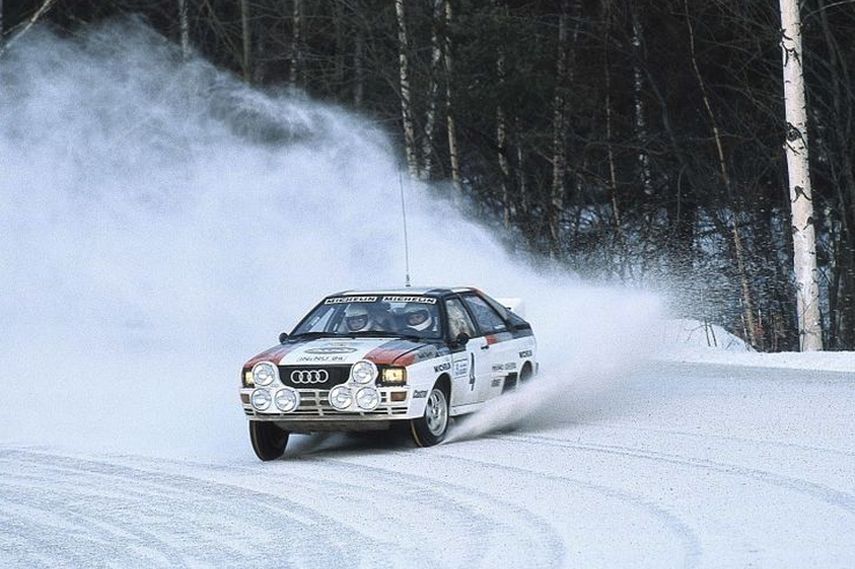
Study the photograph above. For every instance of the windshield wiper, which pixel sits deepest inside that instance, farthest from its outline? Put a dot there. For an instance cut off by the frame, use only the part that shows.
(319, 334)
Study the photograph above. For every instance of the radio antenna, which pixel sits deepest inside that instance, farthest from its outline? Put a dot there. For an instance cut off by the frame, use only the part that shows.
(406, 237)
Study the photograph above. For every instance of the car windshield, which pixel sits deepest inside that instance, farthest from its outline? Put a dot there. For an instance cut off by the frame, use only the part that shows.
(374, 315)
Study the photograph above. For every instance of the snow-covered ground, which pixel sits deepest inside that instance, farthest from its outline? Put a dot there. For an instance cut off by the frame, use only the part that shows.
(685, 465)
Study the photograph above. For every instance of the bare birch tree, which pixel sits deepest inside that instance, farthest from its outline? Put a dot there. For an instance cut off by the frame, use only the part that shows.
(247, 40)
(358, 67)
(502, 135)
(559, 130)
(450, 122)
(798, 170)
(404, 77)
(640, 116)
(184, 25)
(296, 59)
(433, 89)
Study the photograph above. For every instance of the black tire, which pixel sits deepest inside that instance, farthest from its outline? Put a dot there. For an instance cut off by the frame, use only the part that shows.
(430, 429)
(526, 374)
(268, 440)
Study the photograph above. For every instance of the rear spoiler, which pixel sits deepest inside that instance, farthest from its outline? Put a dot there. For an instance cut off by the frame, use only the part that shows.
(515, 305)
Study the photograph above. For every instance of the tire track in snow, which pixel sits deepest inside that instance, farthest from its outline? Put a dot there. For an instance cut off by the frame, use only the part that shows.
(509, 517)
(830, 496)
(421, 493)
(705, 435)
(195, 522)
(689, 542)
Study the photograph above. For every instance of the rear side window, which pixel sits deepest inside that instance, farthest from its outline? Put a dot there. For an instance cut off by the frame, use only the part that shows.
(488, 319)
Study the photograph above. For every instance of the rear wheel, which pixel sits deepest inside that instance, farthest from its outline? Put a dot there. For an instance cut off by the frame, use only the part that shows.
(429, 429)
(526, 373)
(268, 440)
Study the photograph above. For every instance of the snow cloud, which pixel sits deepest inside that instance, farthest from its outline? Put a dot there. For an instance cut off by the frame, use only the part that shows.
(161, 222)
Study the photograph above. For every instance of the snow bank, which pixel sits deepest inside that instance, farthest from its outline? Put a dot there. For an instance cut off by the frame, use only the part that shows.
(693, 341)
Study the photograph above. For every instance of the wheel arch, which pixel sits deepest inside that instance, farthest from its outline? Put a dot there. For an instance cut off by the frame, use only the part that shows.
(444, 383)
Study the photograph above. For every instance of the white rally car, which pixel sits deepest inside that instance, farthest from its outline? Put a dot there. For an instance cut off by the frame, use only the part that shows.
(361, 360)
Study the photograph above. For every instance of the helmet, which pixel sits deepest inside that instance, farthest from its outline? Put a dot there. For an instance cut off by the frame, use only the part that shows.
(356, 317)
(417, 317)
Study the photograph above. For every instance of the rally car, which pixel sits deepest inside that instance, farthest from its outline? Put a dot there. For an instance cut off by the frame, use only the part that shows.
(364, 360)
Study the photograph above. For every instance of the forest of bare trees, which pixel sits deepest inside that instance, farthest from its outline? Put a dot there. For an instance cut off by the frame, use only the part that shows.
(636, 141)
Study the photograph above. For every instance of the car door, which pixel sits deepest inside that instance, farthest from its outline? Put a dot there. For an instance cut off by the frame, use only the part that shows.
(498, 360)
(469, 366)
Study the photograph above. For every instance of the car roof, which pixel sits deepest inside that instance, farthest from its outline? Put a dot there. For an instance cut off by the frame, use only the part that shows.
(408, 291)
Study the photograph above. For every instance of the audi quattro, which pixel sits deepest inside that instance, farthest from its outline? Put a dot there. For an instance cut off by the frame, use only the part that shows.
(365, 360)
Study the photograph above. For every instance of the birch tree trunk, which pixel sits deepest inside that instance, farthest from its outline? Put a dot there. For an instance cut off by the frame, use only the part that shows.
(184, 26)
(406, 106)
(433, 90)
(247, 40)
(606, 17)
(502, 141)
(522, 185)
(338, 22)
(559, 131)
(451, 127)
(358, 67)
(638, 100)
(296, 62)
(801, 199)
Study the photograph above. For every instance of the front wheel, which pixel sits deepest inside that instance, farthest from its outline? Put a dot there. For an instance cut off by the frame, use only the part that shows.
(429, 429)
(268, 440)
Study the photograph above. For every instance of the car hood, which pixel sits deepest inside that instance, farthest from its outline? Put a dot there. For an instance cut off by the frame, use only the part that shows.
(344, 351)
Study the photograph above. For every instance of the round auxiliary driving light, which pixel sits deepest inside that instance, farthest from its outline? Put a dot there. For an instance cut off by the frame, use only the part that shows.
(260, 399)
(363, 372)
(263, 373)
(368, 398)
(286, 400)
(341, 397)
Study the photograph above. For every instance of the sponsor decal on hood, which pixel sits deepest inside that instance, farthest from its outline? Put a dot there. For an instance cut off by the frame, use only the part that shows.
(347, 351)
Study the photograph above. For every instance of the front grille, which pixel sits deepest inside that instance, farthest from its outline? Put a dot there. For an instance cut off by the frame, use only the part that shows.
(332, 375)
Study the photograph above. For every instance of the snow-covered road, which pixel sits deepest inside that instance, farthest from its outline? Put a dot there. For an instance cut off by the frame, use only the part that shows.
(686, 465)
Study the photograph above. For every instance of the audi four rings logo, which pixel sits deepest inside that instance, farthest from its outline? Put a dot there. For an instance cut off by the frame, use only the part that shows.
(310, 376)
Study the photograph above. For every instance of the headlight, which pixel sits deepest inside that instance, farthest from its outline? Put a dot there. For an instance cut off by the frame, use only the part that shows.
(395, 375)
(286, 400)
(340, 397)
(260, 399)
(367, 398)
(263, 373)
(363, 372)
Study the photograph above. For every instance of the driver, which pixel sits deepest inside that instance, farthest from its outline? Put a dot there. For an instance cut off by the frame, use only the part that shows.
(356, 318)
(417, 318)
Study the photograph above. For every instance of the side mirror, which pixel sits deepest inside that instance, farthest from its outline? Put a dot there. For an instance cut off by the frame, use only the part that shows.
(462, 339)
(282, 337)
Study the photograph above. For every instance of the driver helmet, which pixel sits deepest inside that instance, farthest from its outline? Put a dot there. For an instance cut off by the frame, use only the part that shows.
(417, 317)
(356, 318)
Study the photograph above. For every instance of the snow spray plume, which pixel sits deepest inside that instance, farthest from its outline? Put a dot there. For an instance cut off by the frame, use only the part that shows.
(162, 221)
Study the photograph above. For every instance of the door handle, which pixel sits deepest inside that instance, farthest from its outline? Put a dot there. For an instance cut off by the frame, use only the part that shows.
(485, 347)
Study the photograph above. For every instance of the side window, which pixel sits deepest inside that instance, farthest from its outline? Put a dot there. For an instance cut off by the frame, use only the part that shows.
(458, 319)
(488, 319)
